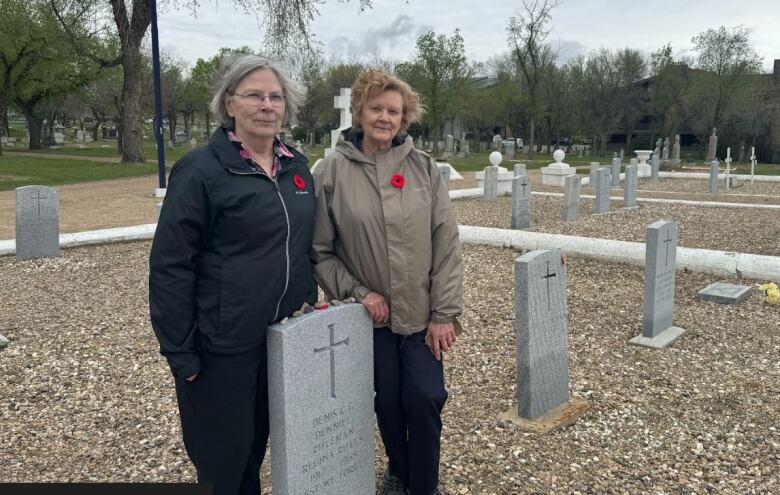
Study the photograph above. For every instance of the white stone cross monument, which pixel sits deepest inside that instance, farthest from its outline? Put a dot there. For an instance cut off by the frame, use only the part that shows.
(341, 102)
(728, 168)
(752, 163)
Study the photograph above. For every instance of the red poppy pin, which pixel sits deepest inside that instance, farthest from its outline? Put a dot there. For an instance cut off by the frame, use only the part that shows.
(299, 182)
(398, 181)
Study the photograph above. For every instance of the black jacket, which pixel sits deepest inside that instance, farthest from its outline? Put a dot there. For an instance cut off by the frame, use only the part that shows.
(230, 254)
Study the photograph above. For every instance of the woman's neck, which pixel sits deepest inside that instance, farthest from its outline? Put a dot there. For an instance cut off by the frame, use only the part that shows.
(261, 149)
(370, 147)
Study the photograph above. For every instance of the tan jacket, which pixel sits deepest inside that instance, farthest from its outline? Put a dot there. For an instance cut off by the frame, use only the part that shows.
(400, 242)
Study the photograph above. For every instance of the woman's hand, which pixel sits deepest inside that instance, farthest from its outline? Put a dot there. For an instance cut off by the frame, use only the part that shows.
(377, 307)
(440, 337)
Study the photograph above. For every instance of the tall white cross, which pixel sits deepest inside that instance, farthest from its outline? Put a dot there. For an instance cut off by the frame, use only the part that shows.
(341, 102)
(728, 167)
(752, 163)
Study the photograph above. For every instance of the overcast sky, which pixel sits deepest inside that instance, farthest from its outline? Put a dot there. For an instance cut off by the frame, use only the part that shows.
(391, 27)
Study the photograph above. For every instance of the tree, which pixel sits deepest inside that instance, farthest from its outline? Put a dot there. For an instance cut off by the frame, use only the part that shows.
(285, 22)
(632, 67)
(527, 34)
(440, 72)
(668, 91)
(727, 57)
(599, 81)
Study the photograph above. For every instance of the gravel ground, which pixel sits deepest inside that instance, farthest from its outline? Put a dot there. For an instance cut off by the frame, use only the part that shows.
(86, 397)
(727, 229)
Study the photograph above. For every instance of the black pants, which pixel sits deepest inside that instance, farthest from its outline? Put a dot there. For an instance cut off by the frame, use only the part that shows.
(224, 420)
(410, 395)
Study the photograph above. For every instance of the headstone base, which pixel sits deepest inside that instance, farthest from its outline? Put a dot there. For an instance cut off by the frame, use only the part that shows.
(626, 208)
(644, 170)
(558, 417)
(725, 293)
(660, 341)
(556, 176)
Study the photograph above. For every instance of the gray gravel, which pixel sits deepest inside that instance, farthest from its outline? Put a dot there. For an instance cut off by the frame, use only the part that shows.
(754, 231)
(86, 396)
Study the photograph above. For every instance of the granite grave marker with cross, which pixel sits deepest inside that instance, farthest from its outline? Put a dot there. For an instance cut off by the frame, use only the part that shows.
(542, 343)
(630, 186)
(616, 171)
(491, 183)
(37, 222)
(521, 202)
(572, 187)
(603, 190)
(714, 177)
(658, 330)
(321, 402)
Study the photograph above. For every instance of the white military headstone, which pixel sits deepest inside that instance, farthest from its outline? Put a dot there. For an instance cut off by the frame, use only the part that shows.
(521, 203)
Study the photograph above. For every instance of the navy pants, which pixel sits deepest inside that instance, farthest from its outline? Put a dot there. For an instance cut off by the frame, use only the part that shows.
(410, 395)
(224, 420)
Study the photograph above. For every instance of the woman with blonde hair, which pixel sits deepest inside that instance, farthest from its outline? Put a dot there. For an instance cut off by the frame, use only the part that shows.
(385, 235)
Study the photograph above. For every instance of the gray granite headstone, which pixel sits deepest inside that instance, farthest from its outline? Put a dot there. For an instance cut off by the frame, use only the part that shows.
(321, 402)
(594, 166)
(655, 164)
(658, 328)
(37, 222)
(509, 150)
(714, 177)
(542, 340)
(630, 186)
(603, 190)
(616, 171)
(521, 202)
(723, 293)
(572, 187)
(520, 169)
(444, 175)
(491, 183)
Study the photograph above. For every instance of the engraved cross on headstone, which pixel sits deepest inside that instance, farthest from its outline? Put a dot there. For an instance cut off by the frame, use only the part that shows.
(548, 277)
(39, 198)
(667, 241)
(332, 357)
(524, 184)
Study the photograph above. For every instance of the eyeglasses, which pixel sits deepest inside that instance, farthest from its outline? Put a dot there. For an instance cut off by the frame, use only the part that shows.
(275, 99)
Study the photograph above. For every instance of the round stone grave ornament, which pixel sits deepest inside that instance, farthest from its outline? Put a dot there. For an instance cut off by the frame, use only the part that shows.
(559, 155)
(495, 158)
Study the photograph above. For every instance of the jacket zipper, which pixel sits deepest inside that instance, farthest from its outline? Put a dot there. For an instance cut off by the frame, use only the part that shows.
(286, 241)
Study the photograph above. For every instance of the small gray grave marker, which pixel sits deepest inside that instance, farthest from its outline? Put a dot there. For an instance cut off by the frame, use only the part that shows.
(444, 175)
(616, 171)
(658, 330)
(543, 400)
(722, 293)
(630, 186)
(321, 402)
(520, 169)
(603, 190)
(521, 202)
(594, 166)
(491, 183)
(37, 222)
(714, 177)
(655, 165)
(572, 187)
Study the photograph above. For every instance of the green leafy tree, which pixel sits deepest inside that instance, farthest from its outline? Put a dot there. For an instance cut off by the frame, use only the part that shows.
(668, 91)
(632, 67)
(441, 73)
(727, 60)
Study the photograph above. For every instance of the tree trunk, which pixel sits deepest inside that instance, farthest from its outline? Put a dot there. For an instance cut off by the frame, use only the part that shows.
(531, 137)
(35, 125)
(208, 129)
(130, 141)
(628, 143)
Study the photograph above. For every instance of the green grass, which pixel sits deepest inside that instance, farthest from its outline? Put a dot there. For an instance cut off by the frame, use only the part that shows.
(95, 149)
(20, 171)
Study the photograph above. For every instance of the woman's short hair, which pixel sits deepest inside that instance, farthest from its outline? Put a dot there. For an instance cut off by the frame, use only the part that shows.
(235, 69)
(376, 81)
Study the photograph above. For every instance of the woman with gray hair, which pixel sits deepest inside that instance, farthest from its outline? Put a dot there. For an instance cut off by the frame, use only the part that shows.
(231, 256)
